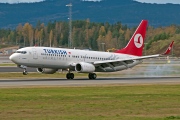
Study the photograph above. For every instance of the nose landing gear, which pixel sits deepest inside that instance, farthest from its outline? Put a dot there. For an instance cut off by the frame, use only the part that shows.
(25, 69)
(25, 72)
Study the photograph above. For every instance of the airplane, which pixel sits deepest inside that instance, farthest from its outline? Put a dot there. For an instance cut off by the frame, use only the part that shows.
(49, 60)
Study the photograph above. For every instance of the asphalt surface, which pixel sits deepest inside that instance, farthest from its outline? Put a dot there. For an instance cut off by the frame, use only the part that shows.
(5, 59)
(130, 79)
(87, 82)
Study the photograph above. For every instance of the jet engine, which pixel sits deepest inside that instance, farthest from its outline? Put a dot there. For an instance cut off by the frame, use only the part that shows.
(46, 70)
(84, 67)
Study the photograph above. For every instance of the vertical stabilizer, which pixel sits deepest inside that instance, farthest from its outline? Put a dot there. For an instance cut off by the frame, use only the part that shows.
(136, 43)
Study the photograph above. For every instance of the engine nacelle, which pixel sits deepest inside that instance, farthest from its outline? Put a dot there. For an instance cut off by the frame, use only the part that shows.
(46, 70)
(84, 67)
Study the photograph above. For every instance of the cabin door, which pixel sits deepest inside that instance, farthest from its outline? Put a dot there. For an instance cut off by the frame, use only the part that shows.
(35, 54)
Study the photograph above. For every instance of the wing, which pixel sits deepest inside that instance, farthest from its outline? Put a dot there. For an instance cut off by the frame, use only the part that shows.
(113, 63)
(119, 62)
(124, 61)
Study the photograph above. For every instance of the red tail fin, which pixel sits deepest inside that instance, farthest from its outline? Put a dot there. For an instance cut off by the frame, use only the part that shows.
(169, 49)
(136, 43)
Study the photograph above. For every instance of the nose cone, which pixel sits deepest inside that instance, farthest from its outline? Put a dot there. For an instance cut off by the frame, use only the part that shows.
(13, 58)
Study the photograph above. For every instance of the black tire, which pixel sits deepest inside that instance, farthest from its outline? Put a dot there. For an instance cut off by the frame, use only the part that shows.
(68, 76)
(93, 75)
(71, 75)
(90, 75)
(25, 72)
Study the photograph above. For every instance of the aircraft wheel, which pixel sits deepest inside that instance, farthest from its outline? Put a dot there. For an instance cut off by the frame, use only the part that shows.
(70, 75)
(92, 75)
(25, 72)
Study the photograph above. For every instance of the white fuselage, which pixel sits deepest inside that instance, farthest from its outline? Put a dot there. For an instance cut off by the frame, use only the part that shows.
(60, 58)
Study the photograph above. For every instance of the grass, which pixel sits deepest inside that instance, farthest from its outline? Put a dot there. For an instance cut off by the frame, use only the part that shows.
(142, 102)
(7, 64)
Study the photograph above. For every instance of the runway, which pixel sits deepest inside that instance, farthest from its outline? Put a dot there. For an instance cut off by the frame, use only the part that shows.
(87, 82)
(146, 71)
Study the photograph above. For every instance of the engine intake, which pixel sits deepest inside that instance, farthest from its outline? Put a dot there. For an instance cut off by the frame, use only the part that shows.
(46, 70)
(84, 67)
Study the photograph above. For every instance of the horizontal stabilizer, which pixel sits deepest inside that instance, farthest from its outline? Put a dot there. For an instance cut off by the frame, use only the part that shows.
(168, 49)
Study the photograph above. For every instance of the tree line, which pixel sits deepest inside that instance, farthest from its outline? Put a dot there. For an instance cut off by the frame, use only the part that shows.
(85, 35)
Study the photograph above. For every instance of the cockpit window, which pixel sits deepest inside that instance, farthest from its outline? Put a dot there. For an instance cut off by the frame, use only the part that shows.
(18, 52)
(22, 52)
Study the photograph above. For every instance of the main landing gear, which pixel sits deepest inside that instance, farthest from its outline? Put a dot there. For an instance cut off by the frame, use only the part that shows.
(70, 75)
(92, 75)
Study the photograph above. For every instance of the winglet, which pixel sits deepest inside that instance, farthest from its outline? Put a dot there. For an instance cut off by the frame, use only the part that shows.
(168, 49)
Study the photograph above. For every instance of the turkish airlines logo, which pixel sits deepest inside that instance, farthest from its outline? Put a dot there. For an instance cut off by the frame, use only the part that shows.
(138, 40)
(170, 48)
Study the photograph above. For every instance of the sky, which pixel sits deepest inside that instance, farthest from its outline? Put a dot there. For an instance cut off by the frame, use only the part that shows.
(31, 1)
(143, 1)
(93, 0)
(159, 1)
(19, 1)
